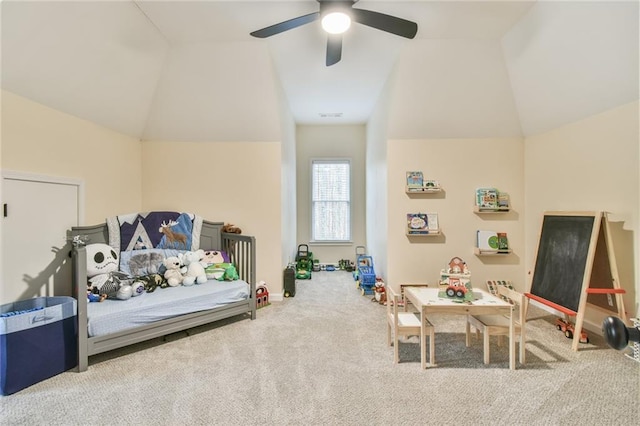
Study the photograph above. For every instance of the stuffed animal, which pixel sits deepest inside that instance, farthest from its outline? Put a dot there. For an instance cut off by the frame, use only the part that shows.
(230, 273)
(379, 293)
(231, 229)
(152, 281)
(91, 297)
(103, 274)
(211, 257)
(93, 294)
(175, 270)
(195, 268)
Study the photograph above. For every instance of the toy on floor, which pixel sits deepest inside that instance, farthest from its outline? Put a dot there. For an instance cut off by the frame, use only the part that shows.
(262, 295)
(568, 329)
(304, 262)
(380, 292)
(346, 265)
(619, 336)
(366, 275)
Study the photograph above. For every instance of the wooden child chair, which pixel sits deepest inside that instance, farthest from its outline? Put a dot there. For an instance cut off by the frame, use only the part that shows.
(401, 323)
(498, 325)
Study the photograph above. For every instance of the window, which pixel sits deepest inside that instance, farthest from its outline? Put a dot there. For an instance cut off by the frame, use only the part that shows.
(331, 200)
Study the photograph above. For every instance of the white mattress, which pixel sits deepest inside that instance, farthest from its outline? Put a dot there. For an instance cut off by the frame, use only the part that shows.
(111, 316)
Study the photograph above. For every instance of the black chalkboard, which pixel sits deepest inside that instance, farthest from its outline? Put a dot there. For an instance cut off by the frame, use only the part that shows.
(563, 252)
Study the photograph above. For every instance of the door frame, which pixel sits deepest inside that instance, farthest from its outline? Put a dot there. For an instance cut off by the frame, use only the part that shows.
(33, 177)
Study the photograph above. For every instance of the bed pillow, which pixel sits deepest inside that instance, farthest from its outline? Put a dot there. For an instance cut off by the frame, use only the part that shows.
(138, 263)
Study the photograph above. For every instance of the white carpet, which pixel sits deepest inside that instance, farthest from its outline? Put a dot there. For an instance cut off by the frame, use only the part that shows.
(321, 358)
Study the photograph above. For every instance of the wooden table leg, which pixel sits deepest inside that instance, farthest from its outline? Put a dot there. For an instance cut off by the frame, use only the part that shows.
(423, 342)
(512, 341)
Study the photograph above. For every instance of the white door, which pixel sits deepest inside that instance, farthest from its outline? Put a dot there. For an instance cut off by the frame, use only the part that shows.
(37, 212)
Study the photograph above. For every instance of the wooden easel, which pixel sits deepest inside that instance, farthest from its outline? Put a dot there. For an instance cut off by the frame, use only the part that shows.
(575, 267)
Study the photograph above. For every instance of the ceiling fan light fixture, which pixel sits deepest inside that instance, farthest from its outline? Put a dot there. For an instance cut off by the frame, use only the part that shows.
(336, 22)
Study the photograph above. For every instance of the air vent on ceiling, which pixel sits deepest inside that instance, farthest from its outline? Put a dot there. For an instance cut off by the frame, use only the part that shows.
(330, 114)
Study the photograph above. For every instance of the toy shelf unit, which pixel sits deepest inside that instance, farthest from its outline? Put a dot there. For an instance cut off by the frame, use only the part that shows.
(491, 200)
(491, 243)
(423, 225)
(416, 184)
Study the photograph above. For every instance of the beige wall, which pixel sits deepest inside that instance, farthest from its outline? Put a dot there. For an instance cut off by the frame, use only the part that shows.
(114, 168)
(589, 165)
(40, 140)
(461, 166)
(331, 142)
(232, 182)
(288, 182)
(376, 182)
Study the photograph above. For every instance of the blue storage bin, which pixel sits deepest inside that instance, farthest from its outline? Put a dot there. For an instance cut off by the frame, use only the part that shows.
(38, 339)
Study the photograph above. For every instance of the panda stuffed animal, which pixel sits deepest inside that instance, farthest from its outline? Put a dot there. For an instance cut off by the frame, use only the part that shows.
(102, 272)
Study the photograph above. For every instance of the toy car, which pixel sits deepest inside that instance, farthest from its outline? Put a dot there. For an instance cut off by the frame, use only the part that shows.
(568, 329)
(456, 291)
(456, 288)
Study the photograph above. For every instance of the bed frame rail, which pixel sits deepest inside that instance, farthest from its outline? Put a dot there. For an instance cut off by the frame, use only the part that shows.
(242, 253)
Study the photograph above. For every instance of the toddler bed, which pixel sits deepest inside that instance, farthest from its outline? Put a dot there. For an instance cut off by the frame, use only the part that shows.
(113, 324)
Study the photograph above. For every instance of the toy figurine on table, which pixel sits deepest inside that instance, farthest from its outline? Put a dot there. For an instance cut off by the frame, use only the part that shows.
(455, 281)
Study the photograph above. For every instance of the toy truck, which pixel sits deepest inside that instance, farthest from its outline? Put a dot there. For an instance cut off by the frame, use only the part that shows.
(568, 329)
(456, 288)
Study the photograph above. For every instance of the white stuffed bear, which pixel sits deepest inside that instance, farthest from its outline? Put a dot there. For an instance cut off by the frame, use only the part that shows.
(175, 270)
(195, 268)
(103, 275)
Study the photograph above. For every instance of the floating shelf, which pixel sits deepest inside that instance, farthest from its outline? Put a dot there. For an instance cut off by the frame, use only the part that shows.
(432, 233)
(477, 209)
(484, 252)
(422, 190)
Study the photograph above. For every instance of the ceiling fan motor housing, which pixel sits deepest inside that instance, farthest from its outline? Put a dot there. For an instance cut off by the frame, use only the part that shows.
(329, 6)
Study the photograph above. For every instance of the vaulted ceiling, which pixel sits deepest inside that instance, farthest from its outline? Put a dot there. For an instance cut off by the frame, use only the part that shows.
(189, 70)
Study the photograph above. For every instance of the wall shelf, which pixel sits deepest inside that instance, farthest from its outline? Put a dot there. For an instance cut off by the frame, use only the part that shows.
(432, 233)
(484, 252)
(478, 210)
(421, 191)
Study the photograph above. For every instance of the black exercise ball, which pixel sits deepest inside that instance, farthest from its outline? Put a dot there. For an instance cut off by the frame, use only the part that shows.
(615, 333)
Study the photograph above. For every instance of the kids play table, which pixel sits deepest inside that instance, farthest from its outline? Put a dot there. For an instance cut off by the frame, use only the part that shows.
(427, 301)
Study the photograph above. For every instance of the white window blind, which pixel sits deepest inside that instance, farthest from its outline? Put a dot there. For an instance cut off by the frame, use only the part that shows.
(331, 200)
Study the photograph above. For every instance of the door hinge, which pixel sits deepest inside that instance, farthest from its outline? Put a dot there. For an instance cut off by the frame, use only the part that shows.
(4, 209)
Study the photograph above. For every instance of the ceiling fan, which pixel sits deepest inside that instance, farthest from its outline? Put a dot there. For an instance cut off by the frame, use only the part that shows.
(342, 12)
